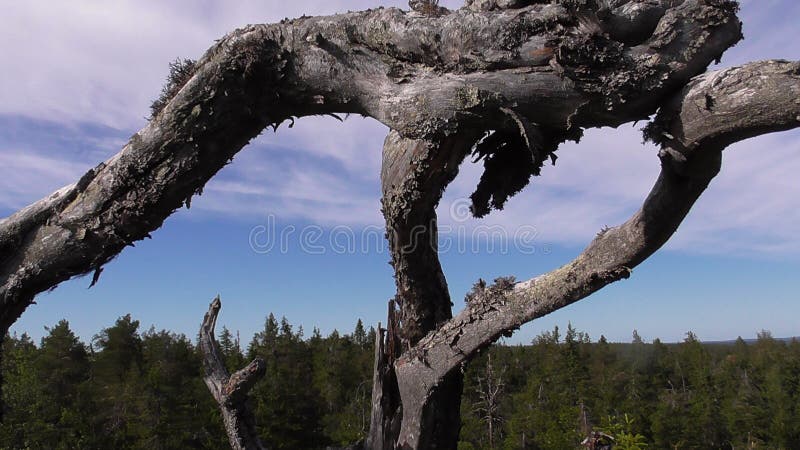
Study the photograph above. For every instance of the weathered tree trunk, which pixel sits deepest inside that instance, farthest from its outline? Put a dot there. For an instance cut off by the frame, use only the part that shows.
(506, 79)
(230, 391)
(413, 177)
(693, 128)
(414, 174)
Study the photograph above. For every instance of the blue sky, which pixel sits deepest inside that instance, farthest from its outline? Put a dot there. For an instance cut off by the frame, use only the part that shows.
(77, 81)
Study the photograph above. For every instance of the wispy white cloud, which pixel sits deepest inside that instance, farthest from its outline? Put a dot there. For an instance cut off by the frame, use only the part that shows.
(355, 143)
(753, 206)
(595, 183)
(320, 171)
(104, 62)
(27, 175)
(89, 61)
(766, 26)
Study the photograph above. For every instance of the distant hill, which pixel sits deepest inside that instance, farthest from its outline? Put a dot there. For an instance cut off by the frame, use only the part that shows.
(750, 341)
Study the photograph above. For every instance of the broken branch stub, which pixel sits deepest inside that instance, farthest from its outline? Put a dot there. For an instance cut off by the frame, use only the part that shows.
(230, 391)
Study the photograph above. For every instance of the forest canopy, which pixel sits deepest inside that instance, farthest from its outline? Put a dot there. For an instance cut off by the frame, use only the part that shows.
(131, 388)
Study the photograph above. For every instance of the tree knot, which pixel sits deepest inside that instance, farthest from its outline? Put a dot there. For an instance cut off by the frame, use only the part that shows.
(609, 276)
(427, 7)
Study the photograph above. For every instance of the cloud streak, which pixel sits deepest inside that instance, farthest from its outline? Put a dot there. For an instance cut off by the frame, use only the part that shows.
(70, 65)
(104, 62)
(26, 175)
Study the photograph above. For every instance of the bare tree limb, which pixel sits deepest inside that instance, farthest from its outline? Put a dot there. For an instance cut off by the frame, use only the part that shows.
(230, 391)
(713, 111)
(561, 66)
(414, 175)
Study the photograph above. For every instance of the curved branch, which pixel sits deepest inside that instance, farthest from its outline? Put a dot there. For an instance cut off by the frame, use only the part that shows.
(426, 77)
(230, 391)
(414, 175)
(719, 108)
(753, 99)
(376, 63)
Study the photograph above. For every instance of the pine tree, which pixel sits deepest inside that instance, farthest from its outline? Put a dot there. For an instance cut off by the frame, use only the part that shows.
(117, 382)
(170, 367)
(265, 339)
(360, 335)
(286, 404)
(487, 408)
(120, 349)
(62, 368)
(20, 391)
(231, 351)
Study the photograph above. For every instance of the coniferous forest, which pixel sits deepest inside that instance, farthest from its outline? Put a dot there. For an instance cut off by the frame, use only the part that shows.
(130, 388)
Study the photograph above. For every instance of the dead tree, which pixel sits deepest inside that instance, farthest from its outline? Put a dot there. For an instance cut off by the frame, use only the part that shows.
(505, 80)
(230, 391)
(490, 390)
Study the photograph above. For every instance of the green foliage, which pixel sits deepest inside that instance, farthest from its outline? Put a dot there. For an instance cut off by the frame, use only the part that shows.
(621, 429)
(687, 395)
(285, 408)
(134, 390)
(231, 351)
(342, 367)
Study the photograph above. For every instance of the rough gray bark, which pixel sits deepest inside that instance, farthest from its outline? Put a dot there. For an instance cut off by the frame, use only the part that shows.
(416, 169)
(385, 416)
(506, 79)
(693, 128)
(427, 77)
(413, 176)
(230, 391)
(381, 433)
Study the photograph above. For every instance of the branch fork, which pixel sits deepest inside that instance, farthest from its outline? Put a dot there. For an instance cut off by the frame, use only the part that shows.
(230, 391)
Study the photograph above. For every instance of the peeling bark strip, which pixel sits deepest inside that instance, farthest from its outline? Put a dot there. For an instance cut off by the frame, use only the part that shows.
(385, 398)
(230, 391)
(750, 100)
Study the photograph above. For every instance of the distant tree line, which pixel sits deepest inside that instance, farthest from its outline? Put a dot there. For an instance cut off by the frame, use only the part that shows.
(662, 396)
(134, 389)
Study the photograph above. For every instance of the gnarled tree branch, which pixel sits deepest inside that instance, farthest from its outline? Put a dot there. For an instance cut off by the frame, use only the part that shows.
(561, 66)
(694, 127)
(413, 177)
(230, 391)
